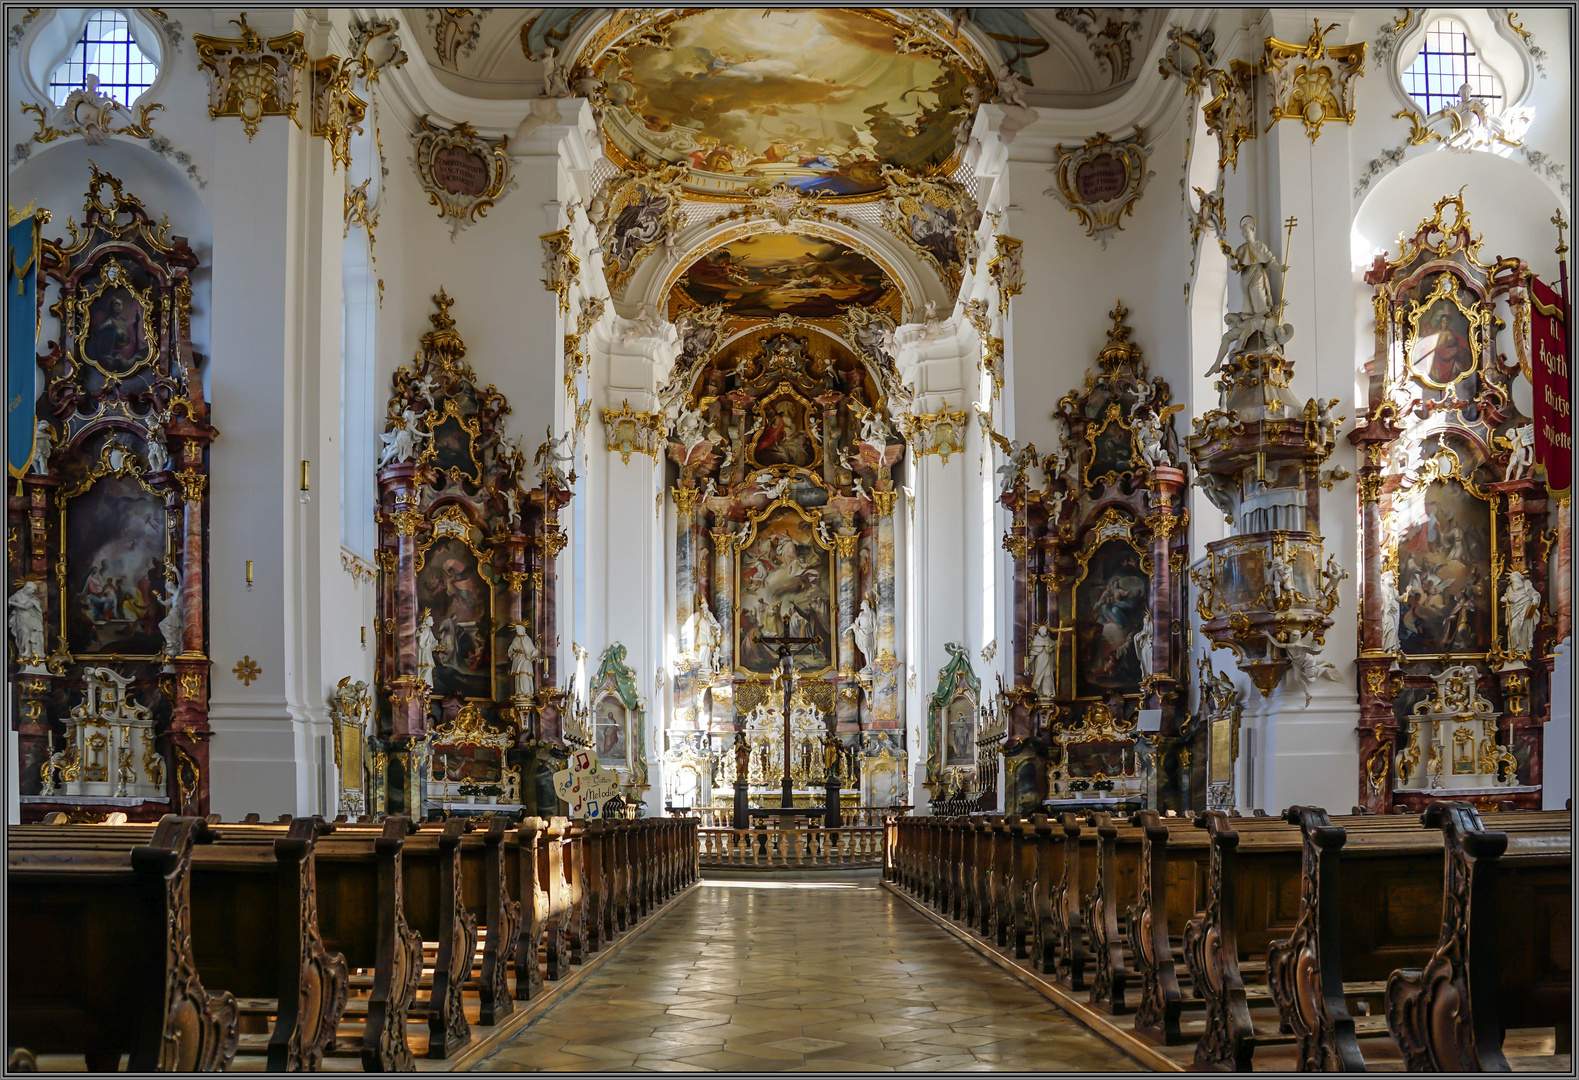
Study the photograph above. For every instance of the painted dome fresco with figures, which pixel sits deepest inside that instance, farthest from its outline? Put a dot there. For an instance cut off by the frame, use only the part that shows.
(771, 274)
(819, 98)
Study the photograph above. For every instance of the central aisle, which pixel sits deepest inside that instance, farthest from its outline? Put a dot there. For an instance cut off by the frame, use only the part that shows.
(777, 975)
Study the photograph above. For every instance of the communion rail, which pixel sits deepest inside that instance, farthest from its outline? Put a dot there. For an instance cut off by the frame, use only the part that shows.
(790, 849)
(723, 817)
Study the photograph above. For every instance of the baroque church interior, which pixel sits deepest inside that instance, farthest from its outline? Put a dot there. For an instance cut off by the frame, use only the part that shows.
(789, 539)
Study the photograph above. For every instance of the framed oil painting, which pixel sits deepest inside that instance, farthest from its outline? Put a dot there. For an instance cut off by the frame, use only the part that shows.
(787, 437)
(1444, 577)
(1442, 350)
(960, 733)
(610, 734)
(115, 569)
(115, 324)
(785, 583)
(1110, 449)
(453, 451)
(450, 586)
(1110, 610)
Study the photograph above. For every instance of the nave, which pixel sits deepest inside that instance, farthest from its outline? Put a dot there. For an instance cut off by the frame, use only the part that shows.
(802, 973)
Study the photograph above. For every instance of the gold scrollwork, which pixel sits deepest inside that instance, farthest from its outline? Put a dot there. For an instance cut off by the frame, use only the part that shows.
(337, 112)
(1314, 82)
(463, 173)
(251, 77)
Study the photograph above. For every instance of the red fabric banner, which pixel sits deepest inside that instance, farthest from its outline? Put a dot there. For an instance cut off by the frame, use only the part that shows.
(1553, 386)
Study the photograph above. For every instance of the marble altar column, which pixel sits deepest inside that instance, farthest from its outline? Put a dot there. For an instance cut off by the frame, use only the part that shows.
(885, 666)
(724, 592)
(849, 587)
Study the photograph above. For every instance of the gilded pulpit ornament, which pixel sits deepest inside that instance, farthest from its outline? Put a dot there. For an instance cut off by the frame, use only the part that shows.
(337, 112)
(1313, 82)
(252, 76)
(463, 173)
(1101, 181)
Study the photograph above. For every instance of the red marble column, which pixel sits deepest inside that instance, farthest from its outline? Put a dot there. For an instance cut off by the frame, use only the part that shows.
(407, 692)
(1166, 482)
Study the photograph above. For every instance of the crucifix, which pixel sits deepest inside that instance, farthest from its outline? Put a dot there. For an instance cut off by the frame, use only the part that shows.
(787, 648)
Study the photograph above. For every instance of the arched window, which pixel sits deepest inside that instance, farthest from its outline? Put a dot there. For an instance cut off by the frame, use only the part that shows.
(1447, 61)
(107, 52)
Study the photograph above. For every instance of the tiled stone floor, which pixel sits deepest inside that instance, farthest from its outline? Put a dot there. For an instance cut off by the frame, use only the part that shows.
(798, 976)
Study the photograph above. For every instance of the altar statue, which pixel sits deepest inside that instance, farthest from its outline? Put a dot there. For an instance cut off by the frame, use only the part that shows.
(173, 626)
(427, 641)
(524, 655)
(1390, 606)
(1523, 603)
(865, 631)
(708, 637)
(27, 622)
(1304, 654)
(1041, 661)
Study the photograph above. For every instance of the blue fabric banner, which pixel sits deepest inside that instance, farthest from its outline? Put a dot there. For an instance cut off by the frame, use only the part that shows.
(21, 343)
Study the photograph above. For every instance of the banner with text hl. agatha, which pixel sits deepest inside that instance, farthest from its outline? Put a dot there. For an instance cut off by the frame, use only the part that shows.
(1553, 385)
(21, 340)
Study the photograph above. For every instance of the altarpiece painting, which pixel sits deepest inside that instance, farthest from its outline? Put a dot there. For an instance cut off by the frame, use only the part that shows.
(1453, 576)
(785, 503)
(1099, 551)
(110, 526)
(466, 592)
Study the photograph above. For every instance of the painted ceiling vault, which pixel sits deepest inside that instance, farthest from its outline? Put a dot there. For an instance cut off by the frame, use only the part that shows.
(818, 98)
(770, 274)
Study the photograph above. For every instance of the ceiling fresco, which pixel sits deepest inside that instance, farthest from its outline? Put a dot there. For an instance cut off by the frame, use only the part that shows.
(819, 98)
(771, 274)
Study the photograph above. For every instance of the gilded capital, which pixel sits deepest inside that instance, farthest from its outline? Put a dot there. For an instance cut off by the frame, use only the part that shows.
(884, 501)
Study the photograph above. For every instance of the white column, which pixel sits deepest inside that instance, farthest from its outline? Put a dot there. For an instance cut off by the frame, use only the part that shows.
(269, 198)
(1317, 752)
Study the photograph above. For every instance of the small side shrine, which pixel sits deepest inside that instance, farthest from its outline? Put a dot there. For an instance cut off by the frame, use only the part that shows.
(467, 712)
(1099, 552)
(1456, 562)
(108, 524)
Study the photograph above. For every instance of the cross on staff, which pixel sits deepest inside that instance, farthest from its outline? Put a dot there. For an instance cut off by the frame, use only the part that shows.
(787, 648)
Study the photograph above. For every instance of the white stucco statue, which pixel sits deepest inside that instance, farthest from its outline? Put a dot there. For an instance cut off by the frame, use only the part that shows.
(173, 626)
(158, 451)
(1523, 603)
(426, 643)
(43, 446)
(865, 631)
(523, 655)
(1390, 606)
(550, 456)
(401, 442)
(708, 637)
(1304, 654)
(688, 427)
(874, 429)
(27, 622)
(1253, 261)
(512, 508)
(1282, 571)
(556, 82)
(1148, 431)
(1143, 640)
(1521, 452)
(1041, 661)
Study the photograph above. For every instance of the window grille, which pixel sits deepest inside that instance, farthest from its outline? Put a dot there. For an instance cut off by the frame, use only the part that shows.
(107, 52)
(1446, 62)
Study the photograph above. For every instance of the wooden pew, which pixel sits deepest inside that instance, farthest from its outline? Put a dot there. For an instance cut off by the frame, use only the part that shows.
(362, 914)
(101, 954)
(1171, 890)
(1104, 911)
(488, 890)
(1490, 972)
(254, 930)
(1373, 901)
(521, 853)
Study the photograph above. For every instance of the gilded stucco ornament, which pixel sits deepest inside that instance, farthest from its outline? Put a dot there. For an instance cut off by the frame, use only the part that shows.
(560, 266)
(635, 216)
(630, 432)
(463, 173)
(1313, 82)
(941, 433)
(337, 111)
(1101, 180)
(251, 76)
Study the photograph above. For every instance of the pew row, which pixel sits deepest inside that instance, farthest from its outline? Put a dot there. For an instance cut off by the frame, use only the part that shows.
(1300, 941)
